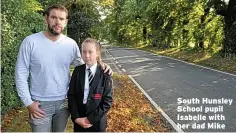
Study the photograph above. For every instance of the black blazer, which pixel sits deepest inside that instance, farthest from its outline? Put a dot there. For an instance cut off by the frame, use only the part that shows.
(99, 100)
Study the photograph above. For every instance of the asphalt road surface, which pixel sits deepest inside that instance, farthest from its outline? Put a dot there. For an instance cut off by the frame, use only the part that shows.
(196, 98)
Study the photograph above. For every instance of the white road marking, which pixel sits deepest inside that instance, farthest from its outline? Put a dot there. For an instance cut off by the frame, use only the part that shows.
(123, 70)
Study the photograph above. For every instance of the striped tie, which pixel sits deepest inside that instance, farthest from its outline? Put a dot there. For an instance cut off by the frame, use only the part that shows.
(90, 77)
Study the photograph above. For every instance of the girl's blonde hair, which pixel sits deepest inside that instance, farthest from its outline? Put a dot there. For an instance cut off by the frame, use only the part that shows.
(98, 48)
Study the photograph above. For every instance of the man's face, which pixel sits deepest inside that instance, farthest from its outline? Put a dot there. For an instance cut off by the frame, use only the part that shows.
(56, 21)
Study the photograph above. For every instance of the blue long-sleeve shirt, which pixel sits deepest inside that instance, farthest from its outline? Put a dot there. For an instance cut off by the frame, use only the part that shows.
(47, 63)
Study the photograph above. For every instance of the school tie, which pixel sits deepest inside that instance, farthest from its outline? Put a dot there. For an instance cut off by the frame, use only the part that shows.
(90, 77)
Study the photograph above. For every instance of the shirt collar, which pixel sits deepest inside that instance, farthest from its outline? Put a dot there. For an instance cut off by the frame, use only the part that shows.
(93, 68)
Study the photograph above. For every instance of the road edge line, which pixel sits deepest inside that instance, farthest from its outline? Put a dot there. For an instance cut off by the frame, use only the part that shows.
(157, 107)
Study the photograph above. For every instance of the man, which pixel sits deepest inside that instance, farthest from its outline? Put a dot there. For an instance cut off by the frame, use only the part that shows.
(47, 56)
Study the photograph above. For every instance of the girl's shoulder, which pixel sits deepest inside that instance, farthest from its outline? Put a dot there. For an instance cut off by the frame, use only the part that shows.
(99, 67)
(80, 67)
(107, 75)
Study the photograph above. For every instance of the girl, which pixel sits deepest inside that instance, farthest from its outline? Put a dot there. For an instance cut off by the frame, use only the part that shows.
(90, 92)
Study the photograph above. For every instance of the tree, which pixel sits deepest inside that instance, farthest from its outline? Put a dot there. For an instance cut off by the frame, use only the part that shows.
(83, 16)
(228, 11)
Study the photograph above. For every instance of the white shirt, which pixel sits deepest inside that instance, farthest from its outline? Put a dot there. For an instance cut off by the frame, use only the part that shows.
(86, 84)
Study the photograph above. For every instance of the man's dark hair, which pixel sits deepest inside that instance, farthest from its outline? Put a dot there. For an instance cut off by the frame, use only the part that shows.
(56, 6)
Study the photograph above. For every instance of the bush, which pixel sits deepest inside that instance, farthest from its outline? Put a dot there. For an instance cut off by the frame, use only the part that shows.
(19, 19)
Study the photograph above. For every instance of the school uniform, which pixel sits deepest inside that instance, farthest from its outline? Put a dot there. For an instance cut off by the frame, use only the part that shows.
(93, 103)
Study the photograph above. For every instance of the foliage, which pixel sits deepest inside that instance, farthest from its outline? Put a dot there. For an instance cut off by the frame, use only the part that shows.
(203, 24)
(83, 16)
(19, 19)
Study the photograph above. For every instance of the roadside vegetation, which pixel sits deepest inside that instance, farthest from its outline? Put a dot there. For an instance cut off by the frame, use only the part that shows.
(202, 32)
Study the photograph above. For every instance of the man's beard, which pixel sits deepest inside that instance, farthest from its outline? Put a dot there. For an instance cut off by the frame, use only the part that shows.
(50, 29)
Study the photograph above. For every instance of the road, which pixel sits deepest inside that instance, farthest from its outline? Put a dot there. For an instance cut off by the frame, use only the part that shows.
(168, 81)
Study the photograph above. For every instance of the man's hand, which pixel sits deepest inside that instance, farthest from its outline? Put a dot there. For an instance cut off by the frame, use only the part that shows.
(35, 111)
(107, 68)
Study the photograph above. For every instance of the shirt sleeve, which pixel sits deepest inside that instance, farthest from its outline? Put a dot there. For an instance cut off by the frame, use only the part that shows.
(77, 57)
(22, 72)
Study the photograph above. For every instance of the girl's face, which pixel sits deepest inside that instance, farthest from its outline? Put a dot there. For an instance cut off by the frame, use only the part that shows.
(89, 53)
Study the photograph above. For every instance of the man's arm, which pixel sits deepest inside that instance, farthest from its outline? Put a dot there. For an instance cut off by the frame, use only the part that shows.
(21, 77)
(22, 72)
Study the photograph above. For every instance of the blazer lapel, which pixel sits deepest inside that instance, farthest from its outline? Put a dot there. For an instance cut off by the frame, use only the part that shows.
(82, 78)
(96, 77)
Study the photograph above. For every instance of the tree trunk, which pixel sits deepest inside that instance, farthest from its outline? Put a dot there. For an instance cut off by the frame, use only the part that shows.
(229, 14)
(229, 44)
(144, 35)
